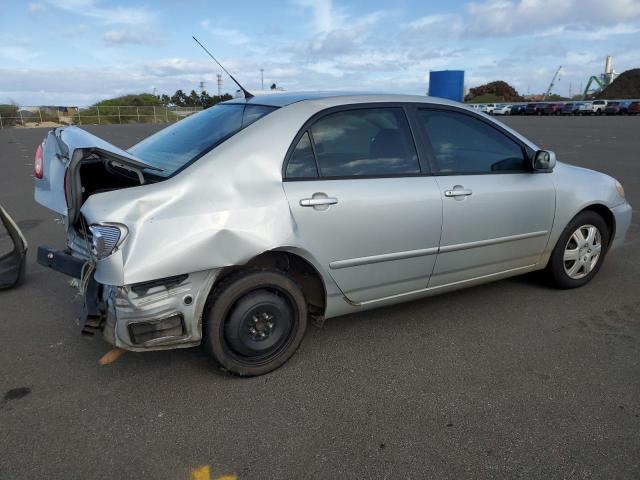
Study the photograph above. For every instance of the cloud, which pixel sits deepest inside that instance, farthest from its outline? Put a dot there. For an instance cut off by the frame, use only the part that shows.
(430, 20)
(519, 17)
(35, 7)
(122, 37)
(231, 36)
(325, 17)
(110, 15)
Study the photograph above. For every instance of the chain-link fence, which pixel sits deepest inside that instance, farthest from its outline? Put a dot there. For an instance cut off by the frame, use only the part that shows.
(28, 116)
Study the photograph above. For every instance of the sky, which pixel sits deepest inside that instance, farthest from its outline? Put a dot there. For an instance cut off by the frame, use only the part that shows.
(77, 52)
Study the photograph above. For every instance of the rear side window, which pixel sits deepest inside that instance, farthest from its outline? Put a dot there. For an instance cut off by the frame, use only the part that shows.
(302, 163)
(464, 144)
(187, 140)
(365, 142)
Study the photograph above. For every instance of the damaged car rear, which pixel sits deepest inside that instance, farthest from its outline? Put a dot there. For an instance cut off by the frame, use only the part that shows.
(236, 225)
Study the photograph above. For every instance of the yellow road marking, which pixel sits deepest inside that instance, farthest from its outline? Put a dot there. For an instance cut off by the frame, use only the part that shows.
(204, 473)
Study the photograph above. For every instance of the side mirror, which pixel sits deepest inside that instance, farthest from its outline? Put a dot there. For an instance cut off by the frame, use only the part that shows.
(544, 161)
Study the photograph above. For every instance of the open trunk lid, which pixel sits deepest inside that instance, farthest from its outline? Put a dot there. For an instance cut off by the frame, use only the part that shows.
(63, 150)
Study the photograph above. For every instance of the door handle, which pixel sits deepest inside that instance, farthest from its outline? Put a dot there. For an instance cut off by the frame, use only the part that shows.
(312, 202)
(463, 192)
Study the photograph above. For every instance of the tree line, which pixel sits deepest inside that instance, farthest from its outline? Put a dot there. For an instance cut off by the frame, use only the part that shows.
(193, 99)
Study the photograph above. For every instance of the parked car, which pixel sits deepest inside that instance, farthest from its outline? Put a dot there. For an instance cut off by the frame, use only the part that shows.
(534, 109)
(634, 108)
(598, 106)
(517, 109)
(13, 260)
(618, 107)
(502, 110)
(570, 108)
(585, 108)
(234, 226)
(552, 109)
(488, 108)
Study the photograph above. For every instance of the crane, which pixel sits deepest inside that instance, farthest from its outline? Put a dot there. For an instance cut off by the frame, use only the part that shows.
(552, 82)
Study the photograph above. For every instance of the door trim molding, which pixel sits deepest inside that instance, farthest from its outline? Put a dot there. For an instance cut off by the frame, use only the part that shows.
(448, 285)
(491, 241)
(385, 257)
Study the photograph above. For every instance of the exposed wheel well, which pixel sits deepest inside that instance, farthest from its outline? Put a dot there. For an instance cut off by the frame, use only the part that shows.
(299, 269)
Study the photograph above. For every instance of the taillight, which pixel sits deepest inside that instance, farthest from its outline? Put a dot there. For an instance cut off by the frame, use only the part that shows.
(38, 164)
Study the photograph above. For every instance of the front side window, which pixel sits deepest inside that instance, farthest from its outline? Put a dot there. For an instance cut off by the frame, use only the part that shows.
(463, 144)
(179, 144)
(365, 142)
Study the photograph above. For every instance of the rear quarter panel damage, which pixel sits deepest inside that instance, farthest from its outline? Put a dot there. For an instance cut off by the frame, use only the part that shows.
(223, 210)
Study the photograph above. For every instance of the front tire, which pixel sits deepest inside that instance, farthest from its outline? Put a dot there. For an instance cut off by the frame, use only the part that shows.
(255, 321)
(580, 251)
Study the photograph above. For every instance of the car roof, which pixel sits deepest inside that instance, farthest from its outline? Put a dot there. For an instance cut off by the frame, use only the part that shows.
(335, 97)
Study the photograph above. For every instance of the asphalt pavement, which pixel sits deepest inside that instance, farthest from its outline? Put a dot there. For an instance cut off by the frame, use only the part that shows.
(506, 380)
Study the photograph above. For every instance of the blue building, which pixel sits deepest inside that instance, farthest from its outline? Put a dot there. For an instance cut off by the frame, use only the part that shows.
(447, 84)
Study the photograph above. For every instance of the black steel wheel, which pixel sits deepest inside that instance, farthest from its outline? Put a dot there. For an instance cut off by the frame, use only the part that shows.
(254, 321)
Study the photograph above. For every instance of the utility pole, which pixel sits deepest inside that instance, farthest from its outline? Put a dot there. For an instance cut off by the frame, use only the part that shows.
(262, 77)
(219, 84)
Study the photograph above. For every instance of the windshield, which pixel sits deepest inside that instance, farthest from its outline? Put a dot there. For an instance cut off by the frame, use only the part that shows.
(177, 146)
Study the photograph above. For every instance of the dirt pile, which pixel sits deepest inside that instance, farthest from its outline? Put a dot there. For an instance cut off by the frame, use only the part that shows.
(500, 89)
(627, 85)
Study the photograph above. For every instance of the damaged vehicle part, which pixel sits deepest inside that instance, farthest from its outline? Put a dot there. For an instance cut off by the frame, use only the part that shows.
(236, 225)
(12, 263)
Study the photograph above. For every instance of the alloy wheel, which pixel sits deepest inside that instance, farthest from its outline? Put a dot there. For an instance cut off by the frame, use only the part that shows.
(582, 251)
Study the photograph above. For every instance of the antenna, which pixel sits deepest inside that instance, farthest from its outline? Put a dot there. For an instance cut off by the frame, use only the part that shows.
(247, 95)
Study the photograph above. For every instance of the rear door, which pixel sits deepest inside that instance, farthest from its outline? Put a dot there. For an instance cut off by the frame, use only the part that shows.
(361, 203)
(497, 213)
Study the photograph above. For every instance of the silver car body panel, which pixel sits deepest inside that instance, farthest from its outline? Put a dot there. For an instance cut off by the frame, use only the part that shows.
(503, 225)
(384, 241)
(384, 236)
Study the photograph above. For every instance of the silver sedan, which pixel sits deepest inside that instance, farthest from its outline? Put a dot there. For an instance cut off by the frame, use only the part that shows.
(235, 226)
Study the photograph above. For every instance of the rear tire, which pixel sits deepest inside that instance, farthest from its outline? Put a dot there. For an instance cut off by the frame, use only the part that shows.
(577, 258)
(254, 321)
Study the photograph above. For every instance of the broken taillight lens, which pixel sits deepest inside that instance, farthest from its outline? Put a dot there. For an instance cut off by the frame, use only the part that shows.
(38, 163)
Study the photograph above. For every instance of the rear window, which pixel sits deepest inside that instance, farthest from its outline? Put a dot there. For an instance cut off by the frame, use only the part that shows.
(177, 146)
(365, 142)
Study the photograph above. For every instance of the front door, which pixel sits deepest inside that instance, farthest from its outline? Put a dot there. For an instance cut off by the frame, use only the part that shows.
(361, 205)
(497, 213)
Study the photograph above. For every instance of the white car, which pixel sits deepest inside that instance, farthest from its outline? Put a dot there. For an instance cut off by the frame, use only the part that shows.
(598, 106)
(488, 108)
(584, 108)
(502, 110)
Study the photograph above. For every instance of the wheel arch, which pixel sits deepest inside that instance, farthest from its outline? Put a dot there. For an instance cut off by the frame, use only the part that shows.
(298, 266)
(597, 207)
(606, 214)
